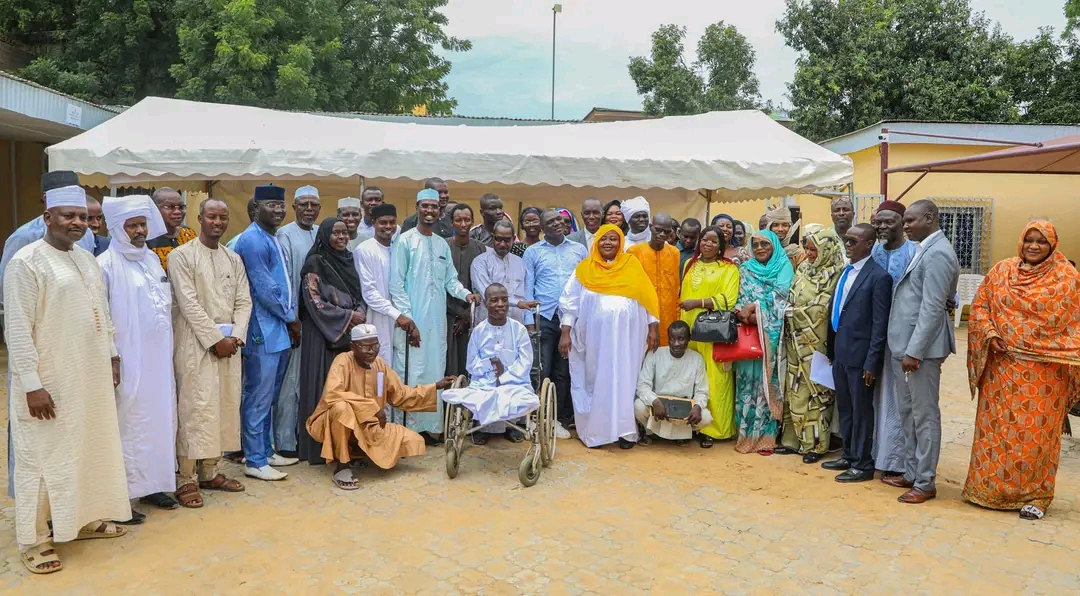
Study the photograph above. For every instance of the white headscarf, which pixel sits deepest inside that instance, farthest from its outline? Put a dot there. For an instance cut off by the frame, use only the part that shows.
(629, 208)
(118, 210)
(65, 196)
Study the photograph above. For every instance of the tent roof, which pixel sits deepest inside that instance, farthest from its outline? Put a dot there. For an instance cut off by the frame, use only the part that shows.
(743, 155)
(1059, 156)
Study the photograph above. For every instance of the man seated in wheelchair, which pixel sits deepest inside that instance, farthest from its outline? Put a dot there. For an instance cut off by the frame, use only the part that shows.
(499, 360)
(672, 389)
(352, 411)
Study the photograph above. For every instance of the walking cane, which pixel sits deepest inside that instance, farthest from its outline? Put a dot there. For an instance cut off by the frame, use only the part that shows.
(404, 414)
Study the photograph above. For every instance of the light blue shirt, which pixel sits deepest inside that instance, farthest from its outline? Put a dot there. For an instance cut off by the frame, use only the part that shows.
(547, 269)
(29, 232)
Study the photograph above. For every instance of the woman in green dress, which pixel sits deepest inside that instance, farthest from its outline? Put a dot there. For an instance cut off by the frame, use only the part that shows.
(808, 407)
(710, 282)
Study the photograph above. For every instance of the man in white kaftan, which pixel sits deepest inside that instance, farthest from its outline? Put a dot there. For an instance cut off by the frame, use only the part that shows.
(638, 215)
(501, 266)
(421, 275)
(69, 462)
(213, 308)
(500, 357)
(296, 240)
(672, 371)
(140, 301)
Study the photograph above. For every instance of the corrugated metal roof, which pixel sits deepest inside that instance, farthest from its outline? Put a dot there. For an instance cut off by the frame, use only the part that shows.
(447, 120)
(38, 110)
(867, 137)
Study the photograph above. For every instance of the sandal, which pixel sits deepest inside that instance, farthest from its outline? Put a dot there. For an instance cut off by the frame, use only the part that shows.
(222, 483)
(479, 438)
(42, 554)
(345, 480)
(103, 530)
(189, 496)
(765, 452)
(1031, 512)
(705, 441)
(161, 501)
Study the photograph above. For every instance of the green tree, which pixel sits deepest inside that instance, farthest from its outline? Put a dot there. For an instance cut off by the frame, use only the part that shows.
(862, 61)
(722, 77)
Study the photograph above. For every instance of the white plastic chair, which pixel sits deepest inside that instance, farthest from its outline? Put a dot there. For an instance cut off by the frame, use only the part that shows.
(966, 288)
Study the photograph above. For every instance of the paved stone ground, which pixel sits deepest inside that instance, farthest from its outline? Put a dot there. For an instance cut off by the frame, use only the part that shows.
(660, 519)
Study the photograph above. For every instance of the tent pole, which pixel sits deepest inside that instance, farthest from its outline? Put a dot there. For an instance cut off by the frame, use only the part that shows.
(708, 207)
(363, 183)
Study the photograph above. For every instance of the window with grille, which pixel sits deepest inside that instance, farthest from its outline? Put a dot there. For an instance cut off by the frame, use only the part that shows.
(966, 223)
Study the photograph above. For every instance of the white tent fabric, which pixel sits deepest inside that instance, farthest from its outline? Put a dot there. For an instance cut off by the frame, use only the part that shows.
(739, 155)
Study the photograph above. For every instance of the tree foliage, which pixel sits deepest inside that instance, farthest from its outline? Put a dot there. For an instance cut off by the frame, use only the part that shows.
(333, 55)
(722, 77)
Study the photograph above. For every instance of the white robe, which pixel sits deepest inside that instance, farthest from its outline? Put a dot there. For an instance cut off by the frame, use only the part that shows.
(70, 468)
(372, 261)
(140, 300)
(509, 271)
(513, 397)
(607, 335)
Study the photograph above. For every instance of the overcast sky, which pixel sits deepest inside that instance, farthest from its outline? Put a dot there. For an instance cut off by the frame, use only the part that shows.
(508, 71)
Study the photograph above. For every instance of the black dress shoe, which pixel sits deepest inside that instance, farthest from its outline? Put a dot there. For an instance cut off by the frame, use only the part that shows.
(782, 450)
(811, 458)
(624, 444)
(136, 519)
(854, 475)
(837, 465)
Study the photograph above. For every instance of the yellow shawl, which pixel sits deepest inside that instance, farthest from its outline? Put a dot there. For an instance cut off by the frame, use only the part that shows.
(623, 276)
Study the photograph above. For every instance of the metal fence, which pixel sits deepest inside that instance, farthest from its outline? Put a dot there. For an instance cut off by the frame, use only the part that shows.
(966, 222)
(866, 206)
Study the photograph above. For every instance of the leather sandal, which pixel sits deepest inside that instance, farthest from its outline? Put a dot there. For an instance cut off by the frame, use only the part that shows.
(222, 483)
(189, 496)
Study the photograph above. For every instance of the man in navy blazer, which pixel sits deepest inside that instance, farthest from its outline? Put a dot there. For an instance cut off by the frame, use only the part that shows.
(272, 331)
(858, 331)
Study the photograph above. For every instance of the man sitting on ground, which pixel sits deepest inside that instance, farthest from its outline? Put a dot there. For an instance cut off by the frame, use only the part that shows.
(352, 410)
(672, 372)
(500, 357)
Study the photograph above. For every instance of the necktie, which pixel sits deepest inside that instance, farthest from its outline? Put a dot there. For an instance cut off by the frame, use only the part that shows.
(840, 298)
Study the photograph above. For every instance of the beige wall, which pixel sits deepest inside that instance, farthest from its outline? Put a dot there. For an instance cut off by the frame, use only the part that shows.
(1017, 199)
(24, 203)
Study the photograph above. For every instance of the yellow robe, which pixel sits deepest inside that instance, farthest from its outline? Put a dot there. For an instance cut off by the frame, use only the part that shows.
(348, 407)
(719, 281)
(662, 267)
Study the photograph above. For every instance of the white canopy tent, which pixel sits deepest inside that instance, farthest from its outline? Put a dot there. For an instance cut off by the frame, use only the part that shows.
(738, 155)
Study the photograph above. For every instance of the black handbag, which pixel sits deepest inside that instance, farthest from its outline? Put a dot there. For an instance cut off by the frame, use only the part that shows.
(716, 327)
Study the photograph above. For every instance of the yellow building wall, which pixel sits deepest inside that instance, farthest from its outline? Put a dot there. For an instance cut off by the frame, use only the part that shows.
(1017, 198)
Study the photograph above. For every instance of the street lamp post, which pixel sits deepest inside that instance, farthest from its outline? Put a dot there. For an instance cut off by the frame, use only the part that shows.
(555, 10)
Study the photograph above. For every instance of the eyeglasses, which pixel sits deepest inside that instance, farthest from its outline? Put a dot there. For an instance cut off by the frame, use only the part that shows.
(370, 348)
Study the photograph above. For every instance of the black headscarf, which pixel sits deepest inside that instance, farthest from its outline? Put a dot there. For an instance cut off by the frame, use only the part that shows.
(625, 225)
(335, 267)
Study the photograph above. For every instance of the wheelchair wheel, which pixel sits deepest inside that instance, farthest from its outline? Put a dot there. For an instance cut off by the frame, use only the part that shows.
(529, 470)
(460, 382)
(545, 422)
(451, 463)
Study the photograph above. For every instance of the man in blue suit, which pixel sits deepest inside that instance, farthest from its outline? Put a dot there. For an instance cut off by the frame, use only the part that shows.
(858, 330)
(273, 330)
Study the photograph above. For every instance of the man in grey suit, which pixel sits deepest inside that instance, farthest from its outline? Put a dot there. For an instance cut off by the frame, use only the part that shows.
(921, 338)
(592, 215)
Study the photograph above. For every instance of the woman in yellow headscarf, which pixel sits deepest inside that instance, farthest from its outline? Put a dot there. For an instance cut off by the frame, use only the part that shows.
(609, 319)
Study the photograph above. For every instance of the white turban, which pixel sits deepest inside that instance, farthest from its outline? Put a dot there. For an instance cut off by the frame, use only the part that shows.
(65, 196)
(364, 331)
(634, 205)
(348, 202)
(306, 191)
(118, 210)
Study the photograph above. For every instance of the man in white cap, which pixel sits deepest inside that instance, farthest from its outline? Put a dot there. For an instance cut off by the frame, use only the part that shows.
(422, 274)
(637, 215)
(350, 211)
(140, 301)
(352, 410)
(63, 423)
(296, 240)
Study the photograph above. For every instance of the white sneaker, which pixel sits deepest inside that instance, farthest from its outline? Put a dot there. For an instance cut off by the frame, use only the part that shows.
(560, 432)
(281, 461)
(264, 473)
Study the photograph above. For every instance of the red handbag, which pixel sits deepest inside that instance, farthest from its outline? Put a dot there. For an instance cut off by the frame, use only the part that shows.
(748, 347)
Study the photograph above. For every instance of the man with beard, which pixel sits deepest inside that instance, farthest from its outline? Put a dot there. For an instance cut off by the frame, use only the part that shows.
(140, 301)
(491, 210)
(637, 214)
(210, 322)
(173, 210)
(371, 198)
(296, 240)
(689, 232)
(63, 421)
(274, 329)
(443, 226)
(548, 266)
(96, 221)
(463, 251)
(421, 276)
(592, 215)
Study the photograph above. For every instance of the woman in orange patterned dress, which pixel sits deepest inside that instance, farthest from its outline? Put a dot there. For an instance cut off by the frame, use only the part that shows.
(1024, 365)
